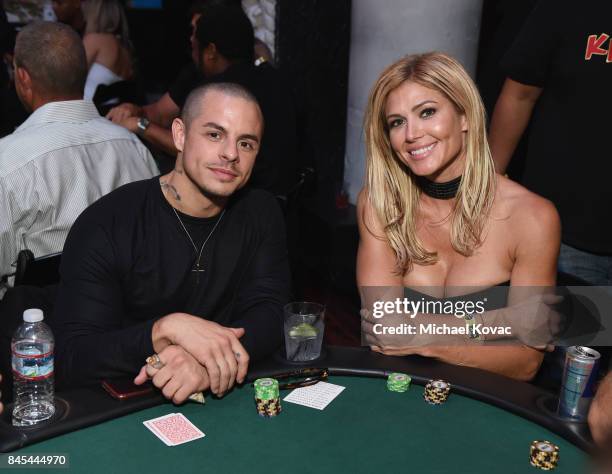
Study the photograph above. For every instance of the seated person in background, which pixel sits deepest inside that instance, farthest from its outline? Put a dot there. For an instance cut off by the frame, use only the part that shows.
(433, 213)
(189, 265)
(107, 45)
(166, 108)
(69, 12)
(600, 414)
(64, 156)
(224, 39)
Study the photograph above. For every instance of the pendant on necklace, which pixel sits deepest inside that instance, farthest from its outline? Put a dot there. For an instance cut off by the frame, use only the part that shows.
(197, 268)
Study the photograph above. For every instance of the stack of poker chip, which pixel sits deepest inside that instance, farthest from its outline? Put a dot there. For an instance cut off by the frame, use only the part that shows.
(436, 392)
(397, 382)
(544, 454)
(267, 397)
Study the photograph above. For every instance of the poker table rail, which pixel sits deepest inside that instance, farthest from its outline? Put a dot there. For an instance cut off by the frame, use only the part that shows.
(82, 407)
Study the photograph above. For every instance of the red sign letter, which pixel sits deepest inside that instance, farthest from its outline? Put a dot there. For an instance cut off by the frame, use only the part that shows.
(594, 44)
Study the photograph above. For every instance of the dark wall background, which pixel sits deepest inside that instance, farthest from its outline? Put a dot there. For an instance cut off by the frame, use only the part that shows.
(161, 42)
(501, 22)
(312, 49)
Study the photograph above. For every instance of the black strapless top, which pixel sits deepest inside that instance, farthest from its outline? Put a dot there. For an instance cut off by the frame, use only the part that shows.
(493, 297)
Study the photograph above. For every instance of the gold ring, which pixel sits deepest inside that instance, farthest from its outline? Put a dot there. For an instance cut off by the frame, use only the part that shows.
(155, 362)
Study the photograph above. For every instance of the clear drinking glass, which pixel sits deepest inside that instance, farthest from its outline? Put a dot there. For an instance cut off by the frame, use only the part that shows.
(304, 327)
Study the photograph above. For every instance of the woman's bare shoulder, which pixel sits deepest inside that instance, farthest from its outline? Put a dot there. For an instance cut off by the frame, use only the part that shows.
(524, 208)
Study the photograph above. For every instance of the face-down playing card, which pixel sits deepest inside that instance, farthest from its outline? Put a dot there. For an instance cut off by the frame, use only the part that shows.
(174, 429)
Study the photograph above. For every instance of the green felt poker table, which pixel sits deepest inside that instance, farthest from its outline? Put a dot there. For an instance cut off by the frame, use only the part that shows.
(486, 425)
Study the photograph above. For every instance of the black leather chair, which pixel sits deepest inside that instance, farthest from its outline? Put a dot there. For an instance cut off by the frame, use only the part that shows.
(40, 271)
(119, 92)
(290, 202)
(35, 286)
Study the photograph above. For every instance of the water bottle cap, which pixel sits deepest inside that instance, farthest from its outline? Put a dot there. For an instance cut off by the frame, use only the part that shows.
(33, 315)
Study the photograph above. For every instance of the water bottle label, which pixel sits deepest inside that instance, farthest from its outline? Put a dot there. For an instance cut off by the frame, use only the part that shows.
(33, 365)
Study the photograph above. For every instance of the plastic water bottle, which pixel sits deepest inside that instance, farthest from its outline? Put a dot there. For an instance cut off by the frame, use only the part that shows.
(32, 356)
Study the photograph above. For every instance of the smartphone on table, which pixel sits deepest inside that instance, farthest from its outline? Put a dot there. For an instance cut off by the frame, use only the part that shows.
(123, 389)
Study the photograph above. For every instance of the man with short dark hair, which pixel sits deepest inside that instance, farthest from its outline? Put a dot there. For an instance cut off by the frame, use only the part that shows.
(50, 56)
(191, 266)
(64, 156)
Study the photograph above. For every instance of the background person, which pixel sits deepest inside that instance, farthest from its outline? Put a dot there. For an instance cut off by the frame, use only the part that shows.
(166, 108)
(224, 37)
(64, 156)
(107, 45)
(600, 414)
(554, 71)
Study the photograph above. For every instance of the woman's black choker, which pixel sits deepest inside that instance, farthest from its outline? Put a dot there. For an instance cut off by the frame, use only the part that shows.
(446, 190)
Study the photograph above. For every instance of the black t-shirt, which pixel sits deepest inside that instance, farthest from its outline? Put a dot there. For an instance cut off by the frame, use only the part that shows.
(569, 157)
(127, 262)
(275, 167)
(188, 79)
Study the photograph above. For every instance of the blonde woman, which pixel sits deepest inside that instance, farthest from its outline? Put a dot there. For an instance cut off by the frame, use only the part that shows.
(107, 44)
(434, 214)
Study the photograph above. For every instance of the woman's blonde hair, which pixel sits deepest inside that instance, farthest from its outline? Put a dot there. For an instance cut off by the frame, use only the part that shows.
(107, 16)
(392, 189)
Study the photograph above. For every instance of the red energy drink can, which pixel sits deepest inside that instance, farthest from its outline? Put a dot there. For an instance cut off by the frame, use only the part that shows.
(578, 382)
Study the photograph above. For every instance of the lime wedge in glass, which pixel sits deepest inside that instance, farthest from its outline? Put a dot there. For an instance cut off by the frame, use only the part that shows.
(303, 330)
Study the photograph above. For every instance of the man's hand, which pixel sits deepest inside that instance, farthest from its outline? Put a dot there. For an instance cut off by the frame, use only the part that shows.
(600, 414)
(131, 123)
(180, 376)
(123, 111)
(215, 347)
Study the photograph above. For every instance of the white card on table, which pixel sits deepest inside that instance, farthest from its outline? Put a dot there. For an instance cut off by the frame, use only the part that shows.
(316, 396)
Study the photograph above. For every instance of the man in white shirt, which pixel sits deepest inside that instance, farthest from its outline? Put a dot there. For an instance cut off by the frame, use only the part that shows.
(65, 156)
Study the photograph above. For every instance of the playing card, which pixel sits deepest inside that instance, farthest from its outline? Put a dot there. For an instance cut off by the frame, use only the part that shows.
(316, 396)
(155, 431)
(175, 428)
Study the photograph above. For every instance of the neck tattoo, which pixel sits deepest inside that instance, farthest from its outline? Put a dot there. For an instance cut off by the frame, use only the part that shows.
(198, 267)
(446, 190)
(171, 189)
